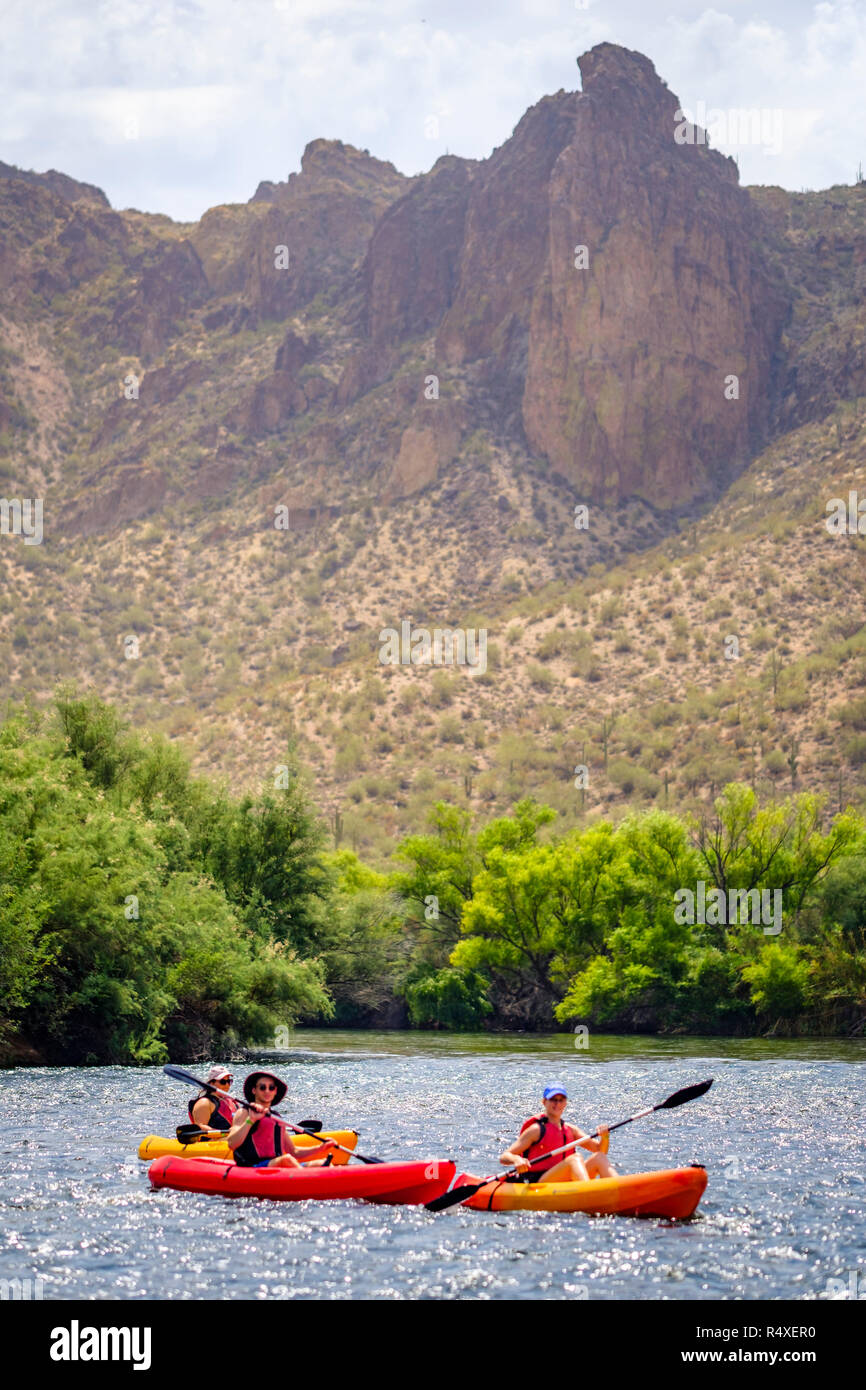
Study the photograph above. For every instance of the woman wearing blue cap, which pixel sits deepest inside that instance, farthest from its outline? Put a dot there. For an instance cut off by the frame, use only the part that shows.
(541, 1134)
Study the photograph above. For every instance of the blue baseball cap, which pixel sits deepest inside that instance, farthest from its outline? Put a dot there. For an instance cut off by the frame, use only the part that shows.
(554, 1091)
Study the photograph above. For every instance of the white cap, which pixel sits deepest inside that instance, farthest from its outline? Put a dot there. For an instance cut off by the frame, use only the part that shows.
(217, 1073)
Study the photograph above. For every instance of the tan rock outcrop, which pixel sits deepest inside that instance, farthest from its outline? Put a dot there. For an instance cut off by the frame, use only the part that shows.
(628, 386)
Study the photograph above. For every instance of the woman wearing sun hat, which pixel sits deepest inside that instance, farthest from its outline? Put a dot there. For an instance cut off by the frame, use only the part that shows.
(259, 1139)
(214, 1109)
(542, 1133)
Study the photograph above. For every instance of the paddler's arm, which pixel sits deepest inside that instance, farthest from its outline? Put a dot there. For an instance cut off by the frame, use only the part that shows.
(202, 1112)
(305, 1155)
(600, 1145)
(513, 1157)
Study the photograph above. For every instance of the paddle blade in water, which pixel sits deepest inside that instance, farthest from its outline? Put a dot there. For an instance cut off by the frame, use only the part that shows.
(686, 1094)
(178, 1074)
(457, 1194)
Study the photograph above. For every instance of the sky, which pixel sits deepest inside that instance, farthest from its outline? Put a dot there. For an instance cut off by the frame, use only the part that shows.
(175, 106)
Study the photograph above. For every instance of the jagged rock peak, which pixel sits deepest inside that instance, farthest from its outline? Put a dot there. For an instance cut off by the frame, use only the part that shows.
(333, 163)
(627, 79)
(335, 158)
(60, 184)
(608, 62)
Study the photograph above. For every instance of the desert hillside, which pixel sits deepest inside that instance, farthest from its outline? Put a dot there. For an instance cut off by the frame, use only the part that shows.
(361, 400)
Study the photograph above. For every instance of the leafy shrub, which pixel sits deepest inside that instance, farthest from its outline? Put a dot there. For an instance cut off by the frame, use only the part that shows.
(855, 750)
(551, 644)
(441, 691)
(450, 998)
(853, 713)
(350, 756)
(539, 676)
(450, 730)
(776, 763)
(779, 981)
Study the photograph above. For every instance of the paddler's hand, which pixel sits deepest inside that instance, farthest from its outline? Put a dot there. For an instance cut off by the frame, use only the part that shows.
(522, 1165)
(603, 1138)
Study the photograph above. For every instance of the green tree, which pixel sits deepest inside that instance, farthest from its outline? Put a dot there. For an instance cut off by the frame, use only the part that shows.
(744, 846)
(438, 884)
(644, 952)
(449, 998)
(779, 980)
(266, 852)
(363, 946)
(115, 941)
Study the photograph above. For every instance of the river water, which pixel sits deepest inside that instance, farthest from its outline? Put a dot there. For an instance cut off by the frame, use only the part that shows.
(781, 1134)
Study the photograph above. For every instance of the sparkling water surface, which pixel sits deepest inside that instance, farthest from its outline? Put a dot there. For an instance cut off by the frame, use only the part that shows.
(781, 1134)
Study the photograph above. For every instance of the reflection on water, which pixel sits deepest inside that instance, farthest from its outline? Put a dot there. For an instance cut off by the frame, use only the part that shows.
(313, 1045)
(781, 1134)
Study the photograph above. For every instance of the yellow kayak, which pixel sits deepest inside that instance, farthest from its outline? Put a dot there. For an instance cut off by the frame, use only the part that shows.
(672, 1192)
(153, 1146)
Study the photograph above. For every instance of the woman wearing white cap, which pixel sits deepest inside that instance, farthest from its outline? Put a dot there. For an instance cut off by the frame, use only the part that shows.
(540, 1134)
(214, 1110)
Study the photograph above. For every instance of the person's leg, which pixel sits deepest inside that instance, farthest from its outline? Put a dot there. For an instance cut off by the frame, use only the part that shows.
(598, 1165)
(284, 1161)
(571, 1169)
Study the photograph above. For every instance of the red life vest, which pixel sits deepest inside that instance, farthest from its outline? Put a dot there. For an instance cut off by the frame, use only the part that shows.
(552, 1137)
(223, 1110)
(264, 1140)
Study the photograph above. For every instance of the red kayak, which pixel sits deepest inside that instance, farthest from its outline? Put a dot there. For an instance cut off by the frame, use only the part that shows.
(413, 1183)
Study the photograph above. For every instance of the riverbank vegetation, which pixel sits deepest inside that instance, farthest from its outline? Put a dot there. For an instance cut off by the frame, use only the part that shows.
(146, 913)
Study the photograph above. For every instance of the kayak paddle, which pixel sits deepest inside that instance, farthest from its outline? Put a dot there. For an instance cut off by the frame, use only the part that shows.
(467, 1190)
(195, 1134)
(178, 1074)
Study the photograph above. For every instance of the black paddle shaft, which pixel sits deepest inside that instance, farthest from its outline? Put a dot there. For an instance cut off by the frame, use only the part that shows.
(467, 1190)
(192, 1133)
(178, 1074)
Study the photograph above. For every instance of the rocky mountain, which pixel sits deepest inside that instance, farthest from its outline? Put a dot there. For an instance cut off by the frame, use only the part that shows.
(427, 375)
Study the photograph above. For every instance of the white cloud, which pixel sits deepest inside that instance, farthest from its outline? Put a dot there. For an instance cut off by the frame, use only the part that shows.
(228, 92)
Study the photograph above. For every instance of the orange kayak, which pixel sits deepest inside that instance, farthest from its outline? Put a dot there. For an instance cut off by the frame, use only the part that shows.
(672, 1192)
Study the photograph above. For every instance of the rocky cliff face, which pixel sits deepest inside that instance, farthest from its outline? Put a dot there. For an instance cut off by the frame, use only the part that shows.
(816, 245)
(504, 249)
(631, 349)
(615, 360)
(599, 293)
(324, 217)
